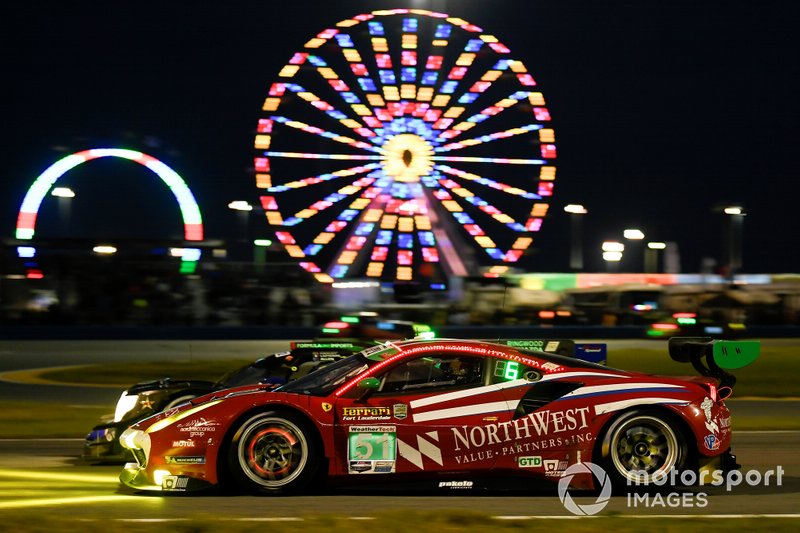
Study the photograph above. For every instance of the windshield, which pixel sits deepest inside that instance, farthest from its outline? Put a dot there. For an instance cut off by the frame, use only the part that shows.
(272, 369)
(327, 379)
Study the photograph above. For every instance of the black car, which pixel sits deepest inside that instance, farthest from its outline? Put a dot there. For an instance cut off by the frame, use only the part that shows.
(147, 398)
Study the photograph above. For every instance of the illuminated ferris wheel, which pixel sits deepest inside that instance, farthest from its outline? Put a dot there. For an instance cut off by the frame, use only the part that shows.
(404, 145)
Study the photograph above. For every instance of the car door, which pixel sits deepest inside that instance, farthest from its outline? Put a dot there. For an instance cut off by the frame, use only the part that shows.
(428, 415)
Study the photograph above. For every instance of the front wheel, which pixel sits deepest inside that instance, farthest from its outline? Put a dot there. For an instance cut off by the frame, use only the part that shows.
(642, 448)
(274, 453)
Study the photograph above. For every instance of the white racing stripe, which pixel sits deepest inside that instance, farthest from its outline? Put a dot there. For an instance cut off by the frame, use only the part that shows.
(477, 409)
(619, 387)
(455, 395)
(565, 375)
(622, 404)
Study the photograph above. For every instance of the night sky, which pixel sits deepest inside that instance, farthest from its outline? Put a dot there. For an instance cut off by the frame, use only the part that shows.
(664, 111)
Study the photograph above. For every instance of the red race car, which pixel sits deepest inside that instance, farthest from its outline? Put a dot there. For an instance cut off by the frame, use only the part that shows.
(452, 412)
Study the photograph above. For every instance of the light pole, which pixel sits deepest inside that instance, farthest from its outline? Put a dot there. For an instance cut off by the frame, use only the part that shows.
(612, 254)
(65, 196)
(733, 249)
(651, 256)
(633, 234)
(576, 212)
(260, 253)
(244, 208)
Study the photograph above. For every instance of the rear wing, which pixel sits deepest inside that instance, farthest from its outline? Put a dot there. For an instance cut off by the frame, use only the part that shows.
(591, 352)
(719, 356)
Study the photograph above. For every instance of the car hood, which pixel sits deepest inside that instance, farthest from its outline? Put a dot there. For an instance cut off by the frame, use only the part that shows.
(168, 383)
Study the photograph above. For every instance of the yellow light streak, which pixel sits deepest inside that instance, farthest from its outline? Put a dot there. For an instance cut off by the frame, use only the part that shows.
(50, 502)
(50, 476)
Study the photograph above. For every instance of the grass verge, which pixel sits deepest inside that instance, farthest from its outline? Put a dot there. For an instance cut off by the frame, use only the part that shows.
(48, 419)
(405, 520)
(773, 374)
(126, 374)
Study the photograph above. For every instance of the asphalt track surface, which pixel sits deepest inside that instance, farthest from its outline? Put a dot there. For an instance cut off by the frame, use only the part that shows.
(48, 476)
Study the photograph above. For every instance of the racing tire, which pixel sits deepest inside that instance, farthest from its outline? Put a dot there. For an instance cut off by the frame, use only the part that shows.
(274, 453)
(640, 449)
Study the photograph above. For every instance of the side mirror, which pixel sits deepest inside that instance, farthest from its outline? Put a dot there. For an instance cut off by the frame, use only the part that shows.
(369, 384)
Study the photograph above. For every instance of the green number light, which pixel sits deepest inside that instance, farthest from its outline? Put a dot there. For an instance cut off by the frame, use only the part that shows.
(512, 370)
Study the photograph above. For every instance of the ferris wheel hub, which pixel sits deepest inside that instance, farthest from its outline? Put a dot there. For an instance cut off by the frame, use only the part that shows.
(407, 157)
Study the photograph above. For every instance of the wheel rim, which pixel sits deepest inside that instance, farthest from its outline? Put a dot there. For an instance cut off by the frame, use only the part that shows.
(272, 452)
(644, 448)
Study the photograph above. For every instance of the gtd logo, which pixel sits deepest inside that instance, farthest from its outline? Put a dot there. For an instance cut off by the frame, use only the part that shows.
(530, 462)
(602, 499)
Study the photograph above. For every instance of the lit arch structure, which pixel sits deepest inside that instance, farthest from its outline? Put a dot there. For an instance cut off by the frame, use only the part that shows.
(190, 212)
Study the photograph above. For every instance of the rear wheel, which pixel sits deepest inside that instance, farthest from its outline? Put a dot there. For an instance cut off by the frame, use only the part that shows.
(641, 448)
(273, 452)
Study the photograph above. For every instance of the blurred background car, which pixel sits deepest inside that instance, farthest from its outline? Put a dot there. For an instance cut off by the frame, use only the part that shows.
(147, 398)
(370, 325)
(687, 324)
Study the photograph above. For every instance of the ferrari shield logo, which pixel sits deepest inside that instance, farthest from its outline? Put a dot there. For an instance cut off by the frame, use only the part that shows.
(326, 407)
(400, 411)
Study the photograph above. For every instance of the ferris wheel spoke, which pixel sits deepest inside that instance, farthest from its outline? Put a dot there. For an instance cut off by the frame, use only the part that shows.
(331, 111)
(331, 200)
(481, 86)
(468, 196)
(314, 130)
(364, 78)
(456, 75)
(417, 91)
(495, 109)
(321, 66)
(505, 134)
(488, 182)
(470, 226)
(497, 160)
(309, 155)
(321, 178)
(354, 212)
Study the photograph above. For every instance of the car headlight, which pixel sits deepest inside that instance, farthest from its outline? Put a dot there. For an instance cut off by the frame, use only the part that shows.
(125, 404)
(135, 439)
